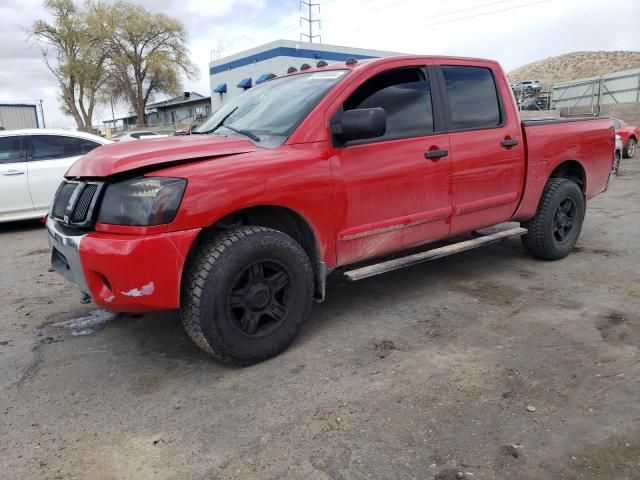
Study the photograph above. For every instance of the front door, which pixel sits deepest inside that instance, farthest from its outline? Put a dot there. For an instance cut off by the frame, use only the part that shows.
(387, 194)
(14, 190)
(487, 160)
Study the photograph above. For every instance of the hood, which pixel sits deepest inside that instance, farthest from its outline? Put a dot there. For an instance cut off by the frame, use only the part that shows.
(141, 154)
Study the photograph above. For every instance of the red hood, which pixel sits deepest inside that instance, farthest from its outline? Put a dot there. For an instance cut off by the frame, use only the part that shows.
(122, 157)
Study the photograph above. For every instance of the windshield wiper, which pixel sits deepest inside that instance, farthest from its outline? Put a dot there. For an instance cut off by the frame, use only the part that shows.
(246, 133)
(221, 122)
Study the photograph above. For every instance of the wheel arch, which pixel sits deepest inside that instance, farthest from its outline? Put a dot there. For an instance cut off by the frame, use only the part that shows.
(533, 190)
(573, 170)
(279, 218)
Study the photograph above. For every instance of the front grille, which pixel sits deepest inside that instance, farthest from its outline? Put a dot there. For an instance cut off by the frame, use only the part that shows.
(62, 199)
(75, 201)
(84, 202)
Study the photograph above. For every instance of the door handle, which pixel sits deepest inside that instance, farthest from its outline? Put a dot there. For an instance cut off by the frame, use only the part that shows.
(9, 173)
(436, 154)
(509, 142)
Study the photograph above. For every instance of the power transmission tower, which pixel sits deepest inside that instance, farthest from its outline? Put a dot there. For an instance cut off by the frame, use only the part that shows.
(310, 20)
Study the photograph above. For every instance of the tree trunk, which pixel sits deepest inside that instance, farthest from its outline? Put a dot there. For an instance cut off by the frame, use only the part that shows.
(69, 98)
(140, 104)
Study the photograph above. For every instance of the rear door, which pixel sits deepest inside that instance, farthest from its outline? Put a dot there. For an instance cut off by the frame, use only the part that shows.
(14, 189)
(487, 153)
(388, 194)
(49, 157)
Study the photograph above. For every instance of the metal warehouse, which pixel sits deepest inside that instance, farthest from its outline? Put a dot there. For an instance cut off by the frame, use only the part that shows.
(18, 115)
(232, 75)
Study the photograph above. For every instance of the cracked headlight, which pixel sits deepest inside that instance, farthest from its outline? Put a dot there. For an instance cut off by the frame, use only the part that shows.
(142, 201)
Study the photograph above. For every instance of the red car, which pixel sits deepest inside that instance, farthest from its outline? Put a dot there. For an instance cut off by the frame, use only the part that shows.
(629, 136)
(239, 224)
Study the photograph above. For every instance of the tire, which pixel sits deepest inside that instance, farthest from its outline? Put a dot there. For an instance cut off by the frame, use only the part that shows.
(555, 228)
(630, 149)
(246, 294)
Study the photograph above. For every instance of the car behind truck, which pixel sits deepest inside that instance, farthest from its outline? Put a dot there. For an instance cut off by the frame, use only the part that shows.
(239, 224)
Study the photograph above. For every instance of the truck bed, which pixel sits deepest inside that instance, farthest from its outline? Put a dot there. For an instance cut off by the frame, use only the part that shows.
(584, 144)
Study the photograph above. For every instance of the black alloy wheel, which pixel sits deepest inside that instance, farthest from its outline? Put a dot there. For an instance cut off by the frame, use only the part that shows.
(260, 297)
(564, 220)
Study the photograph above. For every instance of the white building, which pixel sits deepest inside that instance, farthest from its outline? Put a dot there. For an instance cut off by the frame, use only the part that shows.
(232, 75)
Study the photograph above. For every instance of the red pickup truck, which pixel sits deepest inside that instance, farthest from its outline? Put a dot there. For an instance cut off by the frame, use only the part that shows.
(239, 224)
(629, 135)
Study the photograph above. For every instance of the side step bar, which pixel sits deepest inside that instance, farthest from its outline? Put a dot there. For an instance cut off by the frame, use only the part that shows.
(397, 263)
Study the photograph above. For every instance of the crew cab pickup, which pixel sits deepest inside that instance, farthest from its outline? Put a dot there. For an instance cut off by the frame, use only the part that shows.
(239, 224)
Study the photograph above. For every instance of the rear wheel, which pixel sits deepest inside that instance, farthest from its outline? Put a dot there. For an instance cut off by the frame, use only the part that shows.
(630, 149)
(555, 228)
(246, 294)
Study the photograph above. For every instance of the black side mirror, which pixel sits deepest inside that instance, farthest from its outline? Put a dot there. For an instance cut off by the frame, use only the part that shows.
(360, 124)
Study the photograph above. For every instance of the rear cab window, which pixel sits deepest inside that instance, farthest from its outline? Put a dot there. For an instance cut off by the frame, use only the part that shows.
(472, 98)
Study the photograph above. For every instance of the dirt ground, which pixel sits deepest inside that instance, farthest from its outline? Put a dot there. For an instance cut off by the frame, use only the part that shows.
(487, 365)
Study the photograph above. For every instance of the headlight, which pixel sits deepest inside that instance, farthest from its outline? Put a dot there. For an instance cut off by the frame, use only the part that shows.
(142, 201)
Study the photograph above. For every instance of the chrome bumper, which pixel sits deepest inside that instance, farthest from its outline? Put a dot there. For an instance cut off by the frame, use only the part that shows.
(65, 255)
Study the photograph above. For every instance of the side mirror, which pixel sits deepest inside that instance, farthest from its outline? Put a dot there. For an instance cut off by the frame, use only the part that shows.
(360, 124)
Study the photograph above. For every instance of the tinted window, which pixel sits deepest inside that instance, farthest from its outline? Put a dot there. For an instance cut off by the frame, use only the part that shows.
(45, 147)
(473, 99)
(48, 147)
(87, 145)
(616, 123)
(10, 149)
(405, 95)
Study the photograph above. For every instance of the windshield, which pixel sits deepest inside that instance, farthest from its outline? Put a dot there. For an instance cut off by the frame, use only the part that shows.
(268, 113)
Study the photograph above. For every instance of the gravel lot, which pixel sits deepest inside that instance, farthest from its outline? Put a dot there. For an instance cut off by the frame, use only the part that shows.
(487, 365)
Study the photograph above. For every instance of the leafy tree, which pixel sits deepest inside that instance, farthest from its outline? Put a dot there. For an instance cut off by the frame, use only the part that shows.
(74, 55)
(147, 52)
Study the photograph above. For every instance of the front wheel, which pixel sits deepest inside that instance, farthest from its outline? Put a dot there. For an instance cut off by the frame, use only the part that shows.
(555, 228)
(246, 294)
(630, 149)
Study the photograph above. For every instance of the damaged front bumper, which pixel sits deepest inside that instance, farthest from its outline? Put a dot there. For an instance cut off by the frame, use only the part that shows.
(65, 254)
(122, 273)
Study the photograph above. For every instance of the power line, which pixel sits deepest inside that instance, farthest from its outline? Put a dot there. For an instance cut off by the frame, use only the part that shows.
(482, 14)
(310, 20)
(453, 20)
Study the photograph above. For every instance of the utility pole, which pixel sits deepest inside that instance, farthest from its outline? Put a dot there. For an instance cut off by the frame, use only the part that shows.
(310, 20)
(42, 113)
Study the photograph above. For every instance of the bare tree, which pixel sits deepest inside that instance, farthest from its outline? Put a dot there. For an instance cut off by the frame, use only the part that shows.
(147, 52)
(75, 56)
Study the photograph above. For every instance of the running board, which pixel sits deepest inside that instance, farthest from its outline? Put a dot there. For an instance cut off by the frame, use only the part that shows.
(397, 263)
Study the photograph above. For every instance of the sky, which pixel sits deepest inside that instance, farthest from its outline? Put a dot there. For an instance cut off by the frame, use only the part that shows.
(514, 32)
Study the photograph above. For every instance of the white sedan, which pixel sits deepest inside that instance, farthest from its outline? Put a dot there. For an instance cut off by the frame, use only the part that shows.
(32, 165)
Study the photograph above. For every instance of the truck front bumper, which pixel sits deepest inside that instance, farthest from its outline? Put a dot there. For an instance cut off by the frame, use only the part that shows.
(122, 273)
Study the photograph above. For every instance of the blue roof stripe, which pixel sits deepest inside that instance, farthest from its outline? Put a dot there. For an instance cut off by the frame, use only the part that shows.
(286, 52)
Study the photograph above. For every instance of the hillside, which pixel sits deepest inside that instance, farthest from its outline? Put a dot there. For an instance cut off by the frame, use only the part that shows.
(571, 66)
